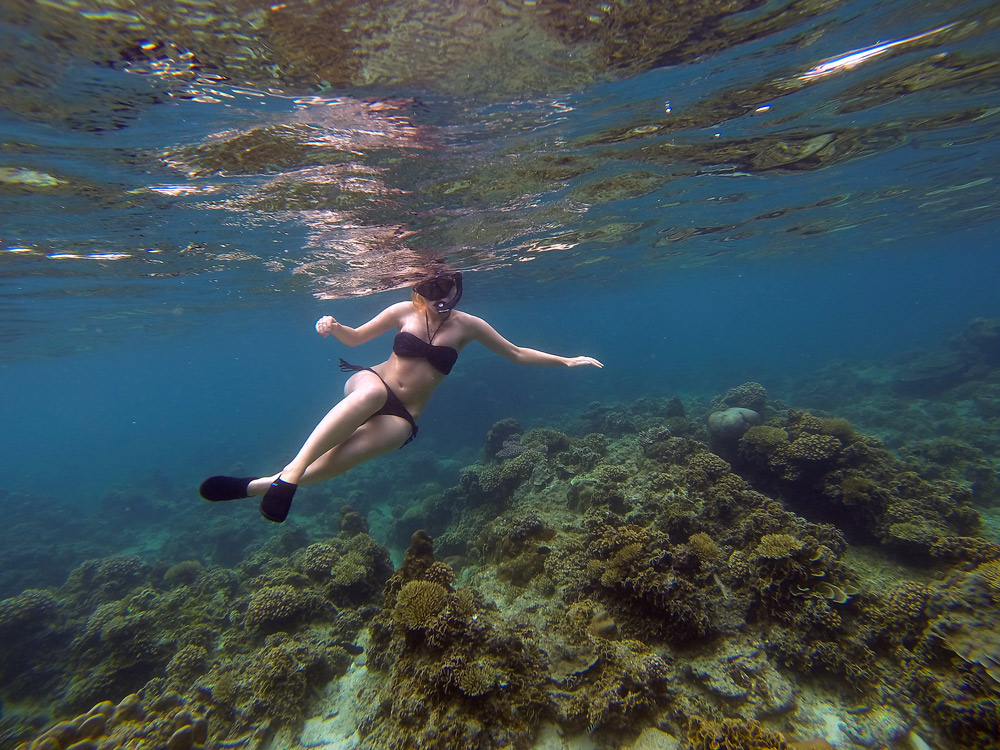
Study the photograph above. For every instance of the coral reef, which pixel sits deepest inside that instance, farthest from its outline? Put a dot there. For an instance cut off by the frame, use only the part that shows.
(247, 647)
(608, 577)
(458, 674)
(825, 470)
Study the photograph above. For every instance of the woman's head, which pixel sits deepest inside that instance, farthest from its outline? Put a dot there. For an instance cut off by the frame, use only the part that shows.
(440, 292)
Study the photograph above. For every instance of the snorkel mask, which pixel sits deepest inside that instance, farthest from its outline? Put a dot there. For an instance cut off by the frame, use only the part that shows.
(443, 291)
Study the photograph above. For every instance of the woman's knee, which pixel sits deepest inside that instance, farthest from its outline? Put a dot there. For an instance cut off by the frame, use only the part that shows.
(368, 396)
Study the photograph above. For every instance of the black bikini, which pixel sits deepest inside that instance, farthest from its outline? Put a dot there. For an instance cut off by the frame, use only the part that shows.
(442, 358)
(392, 406)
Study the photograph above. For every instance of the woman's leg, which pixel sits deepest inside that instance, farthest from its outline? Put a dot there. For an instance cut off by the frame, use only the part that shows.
(380, 435)
(364, 395)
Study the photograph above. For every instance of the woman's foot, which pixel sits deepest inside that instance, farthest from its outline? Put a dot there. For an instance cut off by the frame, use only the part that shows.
(219, 488)
(277, 500)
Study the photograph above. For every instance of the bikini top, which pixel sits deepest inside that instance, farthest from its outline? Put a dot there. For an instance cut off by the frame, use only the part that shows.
(443, 358)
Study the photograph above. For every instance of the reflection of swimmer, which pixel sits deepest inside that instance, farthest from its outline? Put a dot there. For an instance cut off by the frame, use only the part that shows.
(381, 404)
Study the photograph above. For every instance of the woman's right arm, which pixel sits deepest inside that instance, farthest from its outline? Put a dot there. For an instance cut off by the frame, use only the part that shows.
(389, 318)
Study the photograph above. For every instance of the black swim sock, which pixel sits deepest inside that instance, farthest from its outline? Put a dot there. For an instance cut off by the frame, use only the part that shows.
(277, 500)
(221, 488)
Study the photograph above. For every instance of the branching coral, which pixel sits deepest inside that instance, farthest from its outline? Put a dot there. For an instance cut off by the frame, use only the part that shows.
(30, 609)
(615, 685)
(732, 734)
(643, 580)
(419, 603)
(749, 395)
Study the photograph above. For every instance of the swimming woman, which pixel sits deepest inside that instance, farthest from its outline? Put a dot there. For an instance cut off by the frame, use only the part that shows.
(382, 404)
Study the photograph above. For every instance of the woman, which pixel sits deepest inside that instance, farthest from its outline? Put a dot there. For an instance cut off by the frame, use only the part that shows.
(382, 404)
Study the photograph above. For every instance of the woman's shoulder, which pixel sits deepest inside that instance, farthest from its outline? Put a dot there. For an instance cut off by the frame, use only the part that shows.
(466, 320)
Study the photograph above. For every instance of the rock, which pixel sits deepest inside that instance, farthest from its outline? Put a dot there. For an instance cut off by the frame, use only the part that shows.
(653, 739)
(725, 428)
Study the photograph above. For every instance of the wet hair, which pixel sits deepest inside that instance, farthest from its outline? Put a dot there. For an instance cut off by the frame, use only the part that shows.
(419, 302)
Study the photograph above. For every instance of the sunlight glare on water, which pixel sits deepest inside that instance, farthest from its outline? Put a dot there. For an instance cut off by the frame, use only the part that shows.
(237, 149)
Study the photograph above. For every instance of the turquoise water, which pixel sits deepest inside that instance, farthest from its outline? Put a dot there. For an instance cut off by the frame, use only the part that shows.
(799, 195)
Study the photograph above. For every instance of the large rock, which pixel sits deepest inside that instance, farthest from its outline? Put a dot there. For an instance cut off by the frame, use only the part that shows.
(725, 428)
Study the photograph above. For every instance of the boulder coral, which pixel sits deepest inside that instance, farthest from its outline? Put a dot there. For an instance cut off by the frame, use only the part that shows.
(168, 722)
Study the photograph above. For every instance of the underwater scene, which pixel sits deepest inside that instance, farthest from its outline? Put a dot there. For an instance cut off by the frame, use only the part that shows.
(717, 466)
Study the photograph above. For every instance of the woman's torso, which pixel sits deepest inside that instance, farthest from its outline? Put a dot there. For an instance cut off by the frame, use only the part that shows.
(414, 379)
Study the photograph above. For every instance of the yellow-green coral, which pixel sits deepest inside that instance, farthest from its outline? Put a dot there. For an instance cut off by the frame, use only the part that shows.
(273, 605)
(840, 428)
(765, 438)
(778, 546)
(419, 603)
(813, 448)
(349, 570)
(703, 545)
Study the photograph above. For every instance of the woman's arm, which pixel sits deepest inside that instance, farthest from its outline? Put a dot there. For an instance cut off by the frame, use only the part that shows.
(384, 321)
(486, 335)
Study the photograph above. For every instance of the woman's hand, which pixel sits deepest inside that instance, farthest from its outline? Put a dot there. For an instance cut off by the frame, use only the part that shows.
(581, 361)
(324, 326)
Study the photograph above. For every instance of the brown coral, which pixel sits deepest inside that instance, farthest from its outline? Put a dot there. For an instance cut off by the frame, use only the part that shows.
(28, 609)
(319, 559)
(187, 663)
(749, 395)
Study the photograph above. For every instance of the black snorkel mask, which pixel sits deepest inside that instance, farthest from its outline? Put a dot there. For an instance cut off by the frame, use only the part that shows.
(443, 291)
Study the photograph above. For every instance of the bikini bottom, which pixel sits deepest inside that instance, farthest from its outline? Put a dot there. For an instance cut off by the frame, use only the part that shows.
(393, 407)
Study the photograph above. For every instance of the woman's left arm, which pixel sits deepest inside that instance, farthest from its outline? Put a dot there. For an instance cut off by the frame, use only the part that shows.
(486, 335)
